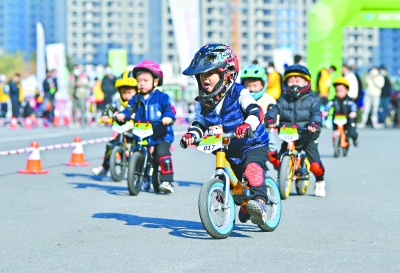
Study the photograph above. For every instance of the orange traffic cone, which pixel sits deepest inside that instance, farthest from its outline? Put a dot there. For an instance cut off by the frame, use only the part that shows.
(34, 165)
(14, 123)
(56, 121)
(28, 123)
(77, 157)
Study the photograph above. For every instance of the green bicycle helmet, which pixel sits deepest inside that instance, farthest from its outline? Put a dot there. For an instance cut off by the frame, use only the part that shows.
(255, 71)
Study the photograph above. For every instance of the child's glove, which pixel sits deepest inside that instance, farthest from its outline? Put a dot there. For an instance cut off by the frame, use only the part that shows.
(243, 130)
(270, 122)
(313, 127)
(187, 139)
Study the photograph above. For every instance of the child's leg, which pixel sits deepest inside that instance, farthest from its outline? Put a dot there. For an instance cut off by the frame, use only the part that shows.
(254, 171)
(107, 154)
(273, 153)
(317, 168)
(163, 155)
(351, 129)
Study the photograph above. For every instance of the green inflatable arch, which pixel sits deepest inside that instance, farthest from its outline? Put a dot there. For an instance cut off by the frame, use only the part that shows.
(327, 18)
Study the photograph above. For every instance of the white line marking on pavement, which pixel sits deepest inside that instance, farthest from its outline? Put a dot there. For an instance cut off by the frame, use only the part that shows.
(45, 135)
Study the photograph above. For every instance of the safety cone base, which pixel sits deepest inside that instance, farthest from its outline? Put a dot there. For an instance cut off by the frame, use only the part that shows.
(33, 172)
(82, 164)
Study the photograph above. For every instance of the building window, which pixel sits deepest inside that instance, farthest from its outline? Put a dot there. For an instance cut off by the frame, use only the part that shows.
(170, 45)
(267, 23)
(170, 58)
(209, 22)
(267, 1)
(267, 47)
(170, 33)
(209, 34)
(245, 24)
(245, 46)
(245, 35)
(266, 11)
(266, 35)
(209, 10)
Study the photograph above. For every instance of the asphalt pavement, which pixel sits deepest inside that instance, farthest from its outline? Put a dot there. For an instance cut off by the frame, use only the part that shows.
(71, 221)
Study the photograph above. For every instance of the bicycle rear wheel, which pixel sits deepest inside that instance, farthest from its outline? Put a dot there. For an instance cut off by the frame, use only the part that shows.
(274, 206)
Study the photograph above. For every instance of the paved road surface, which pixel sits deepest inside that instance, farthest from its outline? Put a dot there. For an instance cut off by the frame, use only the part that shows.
(71, 221)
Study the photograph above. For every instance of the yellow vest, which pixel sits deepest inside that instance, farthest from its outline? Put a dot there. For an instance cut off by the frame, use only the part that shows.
(274, 85)
(324, 83)
(3, 97)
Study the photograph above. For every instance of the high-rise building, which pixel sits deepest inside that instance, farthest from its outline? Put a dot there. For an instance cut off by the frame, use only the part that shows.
(360, 47)
(18, 24)
(389, 53)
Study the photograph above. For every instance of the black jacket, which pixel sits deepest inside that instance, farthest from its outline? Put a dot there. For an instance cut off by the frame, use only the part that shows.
(108, 86)
(302, 111)
(387, 88)
(342, 106)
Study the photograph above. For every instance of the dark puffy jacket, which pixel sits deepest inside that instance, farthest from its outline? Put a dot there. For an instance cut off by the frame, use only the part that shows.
(156, 107)
(302, 111)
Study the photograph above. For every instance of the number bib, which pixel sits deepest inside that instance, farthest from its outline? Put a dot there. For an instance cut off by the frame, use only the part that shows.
(210, 144)
(142, 130)
(120, 129)
(288, 134)
(340, 120)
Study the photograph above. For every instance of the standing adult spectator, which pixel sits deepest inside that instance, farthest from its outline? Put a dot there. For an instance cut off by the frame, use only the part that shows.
(108, 86)
(78, 89)
(49, 89)
(4, 96)
(359, 83)
(374, 82)
(396, 88)
(324, 81)
(386, 94)
(274, 87)
(15, 94)
(353, 83)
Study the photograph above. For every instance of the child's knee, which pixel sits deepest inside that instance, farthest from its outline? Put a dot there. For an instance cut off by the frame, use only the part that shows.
(166, 164)
(317, 168)
(254, 173)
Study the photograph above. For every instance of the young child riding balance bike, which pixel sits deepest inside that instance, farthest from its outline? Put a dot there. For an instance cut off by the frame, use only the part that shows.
(299, 106)
(223, 102)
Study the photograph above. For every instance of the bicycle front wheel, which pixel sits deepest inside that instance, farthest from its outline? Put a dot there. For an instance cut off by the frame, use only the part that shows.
(285, 176)
(217, 214)
(135, 168)
(118, 163)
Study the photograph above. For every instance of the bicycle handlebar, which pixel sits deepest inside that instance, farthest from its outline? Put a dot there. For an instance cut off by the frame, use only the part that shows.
(249, 133)
(299, 128)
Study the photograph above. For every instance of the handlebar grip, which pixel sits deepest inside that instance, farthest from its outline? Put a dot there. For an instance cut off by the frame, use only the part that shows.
(249, 132)
(183, 144)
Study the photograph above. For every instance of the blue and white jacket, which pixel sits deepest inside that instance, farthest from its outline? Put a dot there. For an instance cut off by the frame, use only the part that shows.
(237, 107)
(156, 107)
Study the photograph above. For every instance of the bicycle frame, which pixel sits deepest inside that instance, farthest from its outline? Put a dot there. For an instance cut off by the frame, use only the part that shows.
(339, 132)
(240, 191)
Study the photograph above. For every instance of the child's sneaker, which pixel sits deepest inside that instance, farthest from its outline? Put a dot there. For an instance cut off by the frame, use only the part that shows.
(258, 211)
(166, 187)
(244, 216)
(99, 171)
(319, 189)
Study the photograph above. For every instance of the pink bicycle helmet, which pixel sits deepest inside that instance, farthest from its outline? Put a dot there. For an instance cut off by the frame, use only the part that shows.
(149, 66)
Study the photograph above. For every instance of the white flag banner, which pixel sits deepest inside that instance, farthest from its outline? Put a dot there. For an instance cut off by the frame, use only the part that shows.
(40, 56)
(185, 16)
(56, 59)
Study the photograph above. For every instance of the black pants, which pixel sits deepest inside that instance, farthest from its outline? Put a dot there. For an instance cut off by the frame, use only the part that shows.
(310, 147)
(15, 108)
(162, 149)
(3, 109)
(259, 156)
(350, 129)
